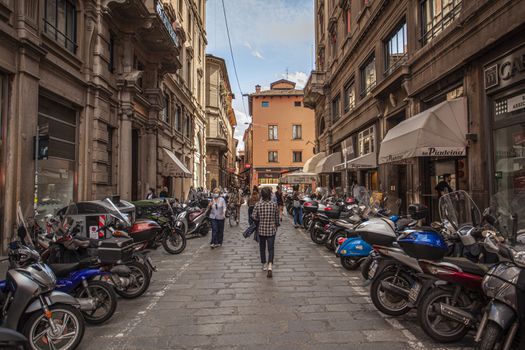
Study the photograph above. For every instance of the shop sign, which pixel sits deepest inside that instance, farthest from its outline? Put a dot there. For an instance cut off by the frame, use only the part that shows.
(442, 152)
(166, 21)
(516, 103)
(506, 71)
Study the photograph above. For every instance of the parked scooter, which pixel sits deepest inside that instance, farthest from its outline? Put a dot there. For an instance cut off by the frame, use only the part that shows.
(52, 319)
(194, 219)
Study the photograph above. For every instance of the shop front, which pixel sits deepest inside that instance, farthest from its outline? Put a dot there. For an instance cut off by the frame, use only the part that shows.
(325, 170)
(56, 168)
(433, 141)
(268, 176)
(3, 130)
(505, 95)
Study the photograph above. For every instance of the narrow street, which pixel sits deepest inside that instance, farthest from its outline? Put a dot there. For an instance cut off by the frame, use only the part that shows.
(220, 299)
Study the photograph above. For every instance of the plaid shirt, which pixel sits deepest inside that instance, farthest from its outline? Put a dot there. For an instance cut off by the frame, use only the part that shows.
(267, 215)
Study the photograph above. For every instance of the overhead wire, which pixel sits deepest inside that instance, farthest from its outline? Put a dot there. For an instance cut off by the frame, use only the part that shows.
(233, 58)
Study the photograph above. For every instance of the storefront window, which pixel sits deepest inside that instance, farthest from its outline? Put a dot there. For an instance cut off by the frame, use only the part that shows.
(366, 141)
(55, 185)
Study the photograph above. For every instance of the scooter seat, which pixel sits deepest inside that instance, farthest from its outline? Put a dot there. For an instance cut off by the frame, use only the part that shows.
(62, 270)
(344, 224)
(467, 265)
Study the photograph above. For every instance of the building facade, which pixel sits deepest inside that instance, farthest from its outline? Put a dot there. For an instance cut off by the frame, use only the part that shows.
(221, 122)
(281, 136)
(95, 85)
(380, 63)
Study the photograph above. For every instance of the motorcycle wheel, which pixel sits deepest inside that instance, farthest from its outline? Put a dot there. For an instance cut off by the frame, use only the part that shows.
(335, 238)
(140, 283)
(365, 266)
(436, 326)
(174, 241)
(387, 303)
(318, 236)
(306, 221)
(107, 301)
(205, 229)
(350, 262)
(491, 336)
(69, 321)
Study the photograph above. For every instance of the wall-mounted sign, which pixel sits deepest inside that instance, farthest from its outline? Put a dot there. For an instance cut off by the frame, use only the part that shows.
(516, 103)
(506, 71)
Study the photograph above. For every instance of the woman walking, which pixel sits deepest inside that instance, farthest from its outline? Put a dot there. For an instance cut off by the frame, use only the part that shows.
(267, 218)
(254, 198)
(280, 201)
(217, 215)
(297, 209)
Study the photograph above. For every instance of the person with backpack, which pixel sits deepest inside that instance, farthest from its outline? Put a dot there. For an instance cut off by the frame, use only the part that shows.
(297, 209)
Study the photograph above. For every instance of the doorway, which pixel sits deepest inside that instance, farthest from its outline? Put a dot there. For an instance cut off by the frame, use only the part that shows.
(135, 191)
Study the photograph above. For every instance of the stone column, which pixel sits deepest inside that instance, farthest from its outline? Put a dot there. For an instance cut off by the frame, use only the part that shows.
(125, 153)
(151, 159)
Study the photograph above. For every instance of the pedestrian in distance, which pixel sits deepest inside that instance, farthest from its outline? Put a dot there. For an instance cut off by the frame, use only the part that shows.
(297, 209)
(217, 216)
(151, 194)
(280, 202)
(164, 193)
(267, 218)
(254, 198)
(443, 187)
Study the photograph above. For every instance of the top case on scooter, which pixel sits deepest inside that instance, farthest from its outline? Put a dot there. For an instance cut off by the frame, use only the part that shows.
(377, 231)
(428, 245)
(115, 250)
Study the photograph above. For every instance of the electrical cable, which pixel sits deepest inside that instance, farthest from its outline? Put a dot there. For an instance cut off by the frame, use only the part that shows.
(233, 58)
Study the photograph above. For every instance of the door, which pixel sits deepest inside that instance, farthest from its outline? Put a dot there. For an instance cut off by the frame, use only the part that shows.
(402, 188)
(135, 191)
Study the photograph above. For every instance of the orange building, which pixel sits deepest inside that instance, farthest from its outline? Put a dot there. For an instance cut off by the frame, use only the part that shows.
(282, 132)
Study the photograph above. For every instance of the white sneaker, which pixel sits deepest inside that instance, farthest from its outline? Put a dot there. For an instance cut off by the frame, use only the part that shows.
(265, 267)
(269, 270)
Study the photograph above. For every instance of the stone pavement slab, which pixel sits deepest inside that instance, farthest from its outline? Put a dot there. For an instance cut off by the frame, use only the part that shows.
(220, 299)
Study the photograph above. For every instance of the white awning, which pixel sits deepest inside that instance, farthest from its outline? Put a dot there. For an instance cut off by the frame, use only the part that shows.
(436, 132)
(368, 161)
(310, 164)
(298, 178)
(175, 166)
(326, 165)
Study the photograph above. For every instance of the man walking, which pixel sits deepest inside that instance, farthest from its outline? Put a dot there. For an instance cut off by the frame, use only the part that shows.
(443, 187)
(266, 215)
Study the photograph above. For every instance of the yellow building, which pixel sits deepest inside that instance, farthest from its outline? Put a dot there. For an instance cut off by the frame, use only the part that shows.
(282, 132)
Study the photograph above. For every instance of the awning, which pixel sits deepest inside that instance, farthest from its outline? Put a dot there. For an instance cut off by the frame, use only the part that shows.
(310, 164)
(436, 132)
(368, 161)
(175, 166)
(326, 165)
(298, 178)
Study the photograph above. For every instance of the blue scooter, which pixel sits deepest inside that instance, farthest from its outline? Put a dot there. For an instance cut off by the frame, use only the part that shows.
(98, 300)
(353, 251)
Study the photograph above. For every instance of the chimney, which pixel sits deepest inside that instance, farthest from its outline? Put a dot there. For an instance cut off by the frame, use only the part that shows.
(257, 88)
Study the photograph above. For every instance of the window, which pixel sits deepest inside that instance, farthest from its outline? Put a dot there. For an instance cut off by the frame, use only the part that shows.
(396, 49)
(188, 72)
(111, 53)
(365, 141)
(265, 104)
(297, 104)
(166, 109)
(349, 96)
(178, 120)
(109, 147)
(272, 157)
(297, 132)
(368, 76)
(297, 156)
(181, 2)
(272, 132)
(60, 22)
(321, 21)
(348, 20)
(321, 126)
(336, 108)
(199, 82)
(187, 126)
(436, 15)
(333, 43)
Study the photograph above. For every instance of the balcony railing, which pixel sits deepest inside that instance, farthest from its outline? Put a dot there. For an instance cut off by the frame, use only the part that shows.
(440, 20)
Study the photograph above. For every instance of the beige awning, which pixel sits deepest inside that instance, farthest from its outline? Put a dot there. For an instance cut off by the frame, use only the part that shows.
(298, 178)
(310, 164)
(368, 161)
(175, 167)
(436, 132)
(326, 165)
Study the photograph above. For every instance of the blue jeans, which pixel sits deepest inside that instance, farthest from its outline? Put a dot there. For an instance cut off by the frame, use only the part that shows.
(263, 242)
(217, 231)
(298, 216)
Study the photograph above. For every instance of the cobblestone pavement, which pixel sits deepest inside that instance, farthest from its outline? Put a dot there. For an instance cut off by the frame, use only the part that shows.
(220, 299)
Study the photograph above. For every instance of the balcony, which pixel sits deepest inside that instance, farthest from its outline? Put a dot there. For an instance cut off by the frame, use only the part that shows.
(314, 89)
(217, 142)
(153, 26)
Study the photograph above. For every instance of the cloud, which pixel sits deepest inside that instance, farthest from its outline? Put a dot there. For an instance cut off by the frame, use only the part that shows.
(257, 54)
(253, 51)
(242, 118)
(300, 78)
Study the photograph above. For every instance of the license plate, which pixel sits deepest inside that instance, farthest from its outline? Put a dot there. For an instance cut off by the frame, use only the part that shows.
(372, 270)
(414, 292)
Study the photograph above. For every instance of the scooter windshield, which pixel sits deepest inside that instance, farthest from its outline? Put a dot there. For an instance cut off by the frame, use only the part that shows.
(508, 208)
(117, 213)
(69, 217)
(459, 209)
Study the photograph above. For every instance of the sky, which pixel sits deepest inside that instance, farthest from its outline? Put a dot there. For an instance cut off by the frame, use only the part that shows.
(269, 38)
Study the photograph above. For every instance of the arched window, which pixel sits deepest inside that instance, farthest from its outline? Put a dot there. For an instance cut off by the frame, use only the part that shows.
(60, 22)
